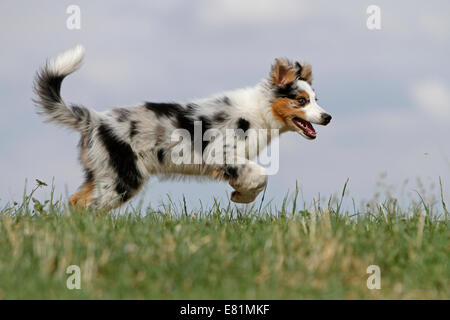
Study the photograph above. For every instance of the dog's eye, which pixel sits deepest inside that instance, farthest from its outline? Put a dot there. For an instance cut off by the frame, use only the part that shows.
(302, 101)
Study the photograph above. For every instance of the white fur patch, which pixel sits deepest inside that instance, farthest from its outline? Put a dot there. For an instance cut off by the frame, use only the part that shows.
(67, 62)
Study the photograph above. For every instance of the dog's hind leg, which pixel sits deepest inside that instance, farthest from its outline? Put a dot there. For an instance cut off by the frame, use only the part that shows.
(109, 194)
(83, 197)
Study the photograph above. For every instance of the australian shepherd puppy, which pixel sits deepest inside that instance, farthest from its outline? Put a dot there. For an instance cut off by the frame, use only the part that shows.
(122, 147)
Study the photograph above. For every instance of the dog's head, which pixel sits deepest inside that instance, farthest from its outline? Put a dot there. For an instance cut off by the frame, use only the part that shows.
(295, 102)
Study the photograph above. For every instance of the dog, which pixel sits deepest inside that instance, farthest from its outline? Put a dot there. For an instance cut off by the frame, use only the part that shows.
(122, 147)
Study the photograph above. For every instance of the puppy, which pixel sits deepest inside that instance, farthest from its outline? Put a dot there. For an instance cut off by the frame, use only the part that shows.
(121, 148)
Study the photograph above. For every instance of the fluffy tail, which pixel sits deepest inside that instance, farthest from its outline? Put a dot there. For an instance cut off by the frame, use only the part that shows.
(47, 86)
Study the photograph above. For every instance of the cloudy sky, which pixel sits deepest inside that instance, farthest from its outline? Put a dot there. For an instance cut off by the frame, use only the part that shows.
(388, 90)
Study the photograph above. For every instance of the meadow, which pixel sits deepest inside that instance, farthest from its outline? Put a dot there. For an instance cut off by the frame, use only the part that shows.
(225, 251)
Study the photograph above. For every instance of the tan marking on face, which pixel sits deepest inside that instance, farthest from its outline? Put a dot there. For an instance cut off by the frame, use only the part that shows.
(283, 72)
(303, 94)
(283, 111)
(83, 197)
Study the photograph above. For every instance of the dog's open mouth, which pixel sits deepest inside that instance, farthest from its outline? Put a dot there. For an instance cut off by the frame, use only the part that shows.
(305, 126)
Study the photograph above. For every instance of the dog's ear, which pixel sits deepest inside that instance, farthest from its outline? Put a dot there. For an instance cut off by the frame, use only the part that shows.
(283, 72)
(304, 72)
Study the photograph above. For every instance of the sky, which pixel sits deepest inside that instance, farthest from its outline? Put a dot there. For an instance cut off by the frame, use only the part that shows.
(388, 90)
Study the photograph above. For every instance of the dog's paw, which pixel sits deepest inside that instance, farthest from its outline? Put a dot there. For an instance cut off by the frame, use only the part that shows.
(239, 197)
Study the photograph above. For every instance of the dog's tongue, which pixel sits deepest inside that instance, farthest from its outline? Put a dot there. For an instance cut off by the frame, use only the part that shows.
(309, 129)
(306, 126)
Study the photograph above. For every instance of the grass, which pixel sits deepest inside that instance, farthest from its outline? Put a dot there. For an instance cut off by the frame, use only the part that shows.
(224, 253)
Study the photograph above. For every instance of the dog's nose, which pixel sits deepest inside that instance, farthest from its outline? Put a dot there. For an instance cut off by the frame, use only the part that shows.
(326, 118)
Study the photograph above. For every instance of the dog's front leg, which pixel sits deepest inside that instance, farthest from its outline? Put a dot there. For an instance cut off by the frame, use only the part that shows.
(248, 180)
